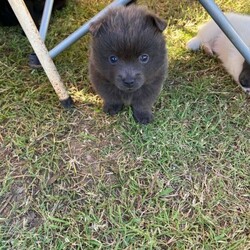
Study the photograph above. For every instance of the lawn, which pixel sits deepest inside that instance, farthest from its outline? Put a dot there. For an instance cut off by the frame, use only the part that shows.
(80, 179)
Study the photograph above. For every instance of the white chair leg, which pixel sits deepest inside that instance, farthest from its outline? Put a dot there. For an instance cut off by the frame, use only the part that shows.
(40, 49)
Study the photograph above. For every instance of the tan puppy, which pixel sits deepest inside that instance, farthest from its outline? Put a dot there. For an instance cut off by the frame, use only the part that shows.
(213, 40)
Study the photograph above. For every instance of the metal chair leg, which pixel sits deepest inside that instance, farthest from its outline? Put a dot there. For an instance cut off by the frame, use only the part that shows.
(83, 29)
(226, 27)
(33, 60)
(46, 18)
(40, 49)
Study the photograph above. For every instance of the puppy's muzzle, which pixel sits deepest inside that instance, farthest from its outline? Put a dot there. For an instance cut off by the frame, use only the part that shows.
(244, 77)
(244, 81)
(128, 82)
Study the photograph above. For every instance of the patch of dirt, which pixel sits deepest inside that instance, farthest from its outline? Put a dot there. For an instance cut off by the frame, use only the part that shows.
(90, 147)
(14, 200)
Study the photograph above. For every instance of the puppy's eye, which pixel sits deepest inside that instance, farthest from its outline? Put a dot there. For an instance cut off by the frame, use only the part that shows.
(113, 59)
(144, 58)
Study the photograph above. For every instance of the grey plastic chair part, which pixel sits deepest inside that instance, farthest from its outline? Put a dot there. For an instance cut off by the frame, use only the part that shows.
(221, 20)
(83, 29)
(46, 18)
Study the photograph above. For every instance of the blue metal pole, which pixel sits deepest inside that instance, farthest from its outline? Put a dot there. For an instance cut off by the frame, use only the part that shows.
(46, 18)
(226, 27)
(83, 29)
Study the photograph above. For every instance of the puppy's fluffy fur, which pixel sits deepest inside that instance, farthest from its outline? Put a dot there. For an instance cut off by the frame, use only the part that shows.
(212, 39)
(128, 60)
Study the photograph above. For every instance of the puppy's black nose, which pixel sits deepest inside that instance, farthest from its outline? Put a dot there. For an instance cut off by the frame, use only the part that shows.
(128, 82)
(244, 81)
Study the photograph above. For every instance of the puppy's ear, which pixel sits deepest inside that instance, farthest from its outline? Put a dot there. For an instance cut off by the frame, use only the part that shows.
(95, 27)
(159, 23)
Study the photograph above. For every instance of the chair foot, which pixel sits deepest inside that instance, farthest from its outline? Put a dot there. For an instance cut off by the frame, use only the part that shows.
(67, 103)
(34, 62)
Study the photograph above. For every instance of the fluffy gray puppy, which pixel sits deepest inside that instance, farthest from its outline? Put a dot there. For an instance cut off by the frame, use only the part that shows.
(128, 60)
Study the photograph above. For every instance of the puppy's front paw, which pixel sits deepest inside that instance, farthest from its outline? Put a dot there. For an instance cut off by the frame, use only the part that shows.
(207, 48)
(143, 117)
(112, 109)
(194, 43)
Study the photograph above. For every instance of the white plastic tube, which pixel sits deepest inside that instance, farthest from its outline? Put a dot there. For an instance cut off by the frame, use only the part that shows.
(39, 48)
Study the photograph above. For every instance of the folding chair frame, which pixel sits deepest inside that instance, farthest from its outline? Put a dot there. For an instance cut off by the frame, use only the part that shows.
(44, 57)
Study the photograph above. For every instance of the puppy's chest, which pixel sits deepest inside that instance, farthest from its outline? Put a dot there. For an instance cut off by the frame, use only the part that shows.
(126, 98)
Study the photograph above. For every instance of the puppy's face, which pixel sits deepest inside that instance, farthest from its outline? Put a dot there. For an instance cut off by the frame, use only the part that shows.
(244, 77)
(127, 74)
(128, 47)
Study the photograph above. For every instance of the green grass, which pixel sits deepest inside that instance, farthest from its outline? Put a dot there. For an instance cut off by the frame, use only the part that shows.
(80, 179)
